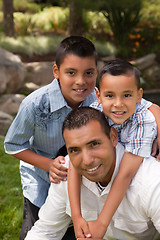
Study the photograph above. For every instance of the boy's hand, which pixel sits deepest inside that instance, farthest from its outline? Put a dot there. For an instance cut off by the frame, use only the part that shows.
(156, 149)
(57, 172)
(97, 229)
(81, 228)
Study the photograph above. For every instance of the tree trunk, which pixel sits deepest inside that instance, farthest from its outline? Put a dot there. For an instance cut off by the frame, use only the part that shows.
(8, 23)
(75, 19)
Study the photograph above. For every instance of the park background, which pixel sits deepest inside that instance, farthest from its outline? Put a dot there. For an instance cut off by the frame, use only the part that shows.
(32, 29)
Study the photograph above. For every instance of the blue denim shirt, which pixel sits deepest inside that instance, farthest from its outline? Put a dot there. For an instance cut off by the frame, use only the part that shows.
(38, 126)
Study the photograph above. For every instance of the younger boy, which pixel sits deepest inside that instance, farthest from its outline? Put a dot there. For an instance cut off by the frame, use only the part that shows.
(120, 98)
(35, 135)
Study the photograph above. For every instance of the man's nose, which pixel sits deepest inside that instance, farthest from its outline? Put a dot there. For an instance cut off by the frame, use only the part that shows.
(87, 158)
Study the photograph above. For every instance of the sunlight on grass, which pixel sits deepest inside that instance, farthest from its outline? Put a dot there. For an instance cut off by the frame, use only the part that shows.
(10, 196)
(31, 45)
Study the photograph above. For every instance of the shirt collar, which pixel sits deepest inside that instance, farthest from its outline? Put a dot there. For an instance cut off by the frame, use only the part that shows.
(56, 98)
(57, 101)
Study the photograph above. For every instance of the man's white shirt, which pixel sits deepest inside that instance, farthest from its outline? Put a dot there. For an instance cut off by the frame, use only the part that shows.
(137, 217)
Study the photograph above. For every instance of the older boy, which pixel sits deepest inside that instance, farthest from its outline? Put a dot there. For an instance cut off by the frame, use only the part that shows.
(35, 135)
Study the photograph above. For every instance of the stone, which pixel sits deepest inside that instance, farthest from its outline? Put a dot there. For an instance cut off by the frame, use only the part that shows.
(40, 73)
(12, 72)
(9, 103)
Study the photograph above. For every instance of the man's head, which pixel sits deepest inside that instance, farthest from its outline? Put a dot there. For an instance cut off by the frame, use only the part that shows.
(76, 69)
(119, 90)
(90, 143)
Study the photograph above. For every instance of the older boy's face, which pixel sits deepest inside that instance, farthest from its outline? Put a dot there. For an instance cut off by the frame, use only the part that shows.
(77, 76)
(119, 95)
(91, 152)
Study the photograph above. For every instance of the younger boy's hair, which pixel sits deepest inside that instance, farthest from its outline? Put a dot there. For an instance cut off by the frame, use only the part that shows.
(81, 116)
(77, 45)
(119, 67)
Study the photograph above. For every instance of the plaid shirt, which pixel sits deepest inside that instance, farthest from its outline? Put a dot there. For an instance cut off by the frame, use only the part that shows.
(138, 132)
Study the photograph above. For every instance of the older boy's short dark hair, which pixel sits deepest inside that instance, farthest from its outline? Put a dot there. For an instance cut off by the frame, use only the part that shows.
(118, 67)
(76, 45)
(81, 116)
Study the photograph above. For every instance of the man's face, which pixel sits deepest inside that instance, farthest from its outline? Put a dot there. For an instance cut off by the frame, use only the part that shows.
(91, 152)
(77, 76)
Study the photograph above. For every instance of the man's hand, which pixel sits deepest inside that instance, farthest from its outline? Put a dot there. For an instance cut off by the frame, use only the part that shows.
(97, 229)
(81, 228)
(57, 172)
(156, 149)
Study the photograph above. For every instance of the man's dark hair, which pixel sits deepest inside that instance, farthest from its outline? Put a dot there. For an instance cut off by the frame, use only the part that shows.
(119, 67)
(77, 45)
(81, 116)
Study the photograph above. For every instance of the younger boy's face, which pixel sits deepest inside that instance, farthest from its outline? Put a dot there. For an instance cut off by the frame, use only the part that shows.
(77, 76)
(119, 95)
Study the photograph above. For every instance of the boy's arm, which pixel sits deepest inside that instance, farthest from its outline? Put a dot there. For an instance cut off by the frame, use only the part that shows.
(128, 168)
(57, 172)
(155, 109)
(74, 182)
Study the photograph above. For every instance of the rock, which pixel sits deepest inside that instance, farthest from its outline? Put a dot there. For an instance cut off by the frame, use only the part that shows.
(5, 122)
(12, 72)
(29, 87)
(9, 103)
(40, 73)
(145, 62)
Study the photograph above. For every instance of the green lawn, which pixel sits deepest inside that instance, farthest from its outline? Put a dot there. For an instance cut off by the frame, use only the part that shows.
(10, 196)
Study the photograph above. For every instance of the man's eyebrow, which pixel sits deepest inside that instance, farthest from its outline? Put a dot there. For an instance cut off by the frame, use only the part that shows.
(93, 141)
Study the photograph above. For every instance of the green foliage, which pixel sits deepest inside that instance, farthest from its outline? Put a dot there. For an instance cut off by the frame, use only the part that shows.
(31, 45)
(10, 196)
(26, 6)
(54, 18)
(122, 16)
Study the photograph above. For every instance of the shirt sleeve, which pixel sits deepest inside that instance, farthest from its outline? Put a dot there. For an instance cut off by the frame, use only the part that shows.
(21, 130)
(140, 134)
(151, 192)
(53, 220)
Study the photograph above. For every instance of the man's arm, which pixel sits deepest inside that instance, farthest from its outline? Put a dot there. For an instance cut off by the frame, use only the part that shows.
(53, 220)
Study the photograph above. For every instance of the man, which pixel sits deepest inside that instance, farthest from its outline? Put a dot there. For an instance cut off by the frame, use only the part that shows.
(94, 151)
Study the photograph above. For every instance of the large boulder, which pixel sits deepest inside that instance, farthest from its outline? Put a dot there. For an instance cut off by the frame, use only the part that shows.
(12, 72)
(9, 103)
(40, 73)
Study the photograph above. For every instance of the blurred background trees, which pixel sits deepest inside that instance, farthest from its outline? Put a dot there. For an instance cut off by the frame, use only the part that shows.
(131, 28)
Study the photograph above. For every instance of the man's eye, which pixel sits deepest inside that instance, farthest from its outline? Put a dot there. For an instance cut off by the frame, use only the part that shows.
(74, 150)
(93, 144)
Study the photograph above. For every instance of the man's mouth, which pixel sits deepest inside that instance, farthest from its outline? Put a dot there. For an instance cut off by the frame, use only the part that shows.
(92, 170)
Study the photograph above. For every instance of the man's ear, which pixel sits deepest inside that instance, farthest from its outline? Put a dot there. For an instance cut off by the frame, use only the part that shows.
(55, 71)
(98, 95)
(140, 94)
(114, 136)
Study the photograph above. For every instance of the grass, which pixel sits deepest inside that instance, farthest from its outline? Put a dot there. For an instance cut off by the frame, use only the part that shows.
(10, 196)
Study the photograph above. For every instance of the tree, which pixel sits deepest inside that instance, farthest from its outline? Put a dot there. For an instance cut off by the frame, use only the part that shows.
(8, 22)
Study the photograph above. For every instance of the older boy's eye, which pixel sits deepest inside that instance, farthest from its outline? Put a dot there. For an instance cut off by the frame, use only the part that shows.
(71, 73)
(109, 96)
(89, 73)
